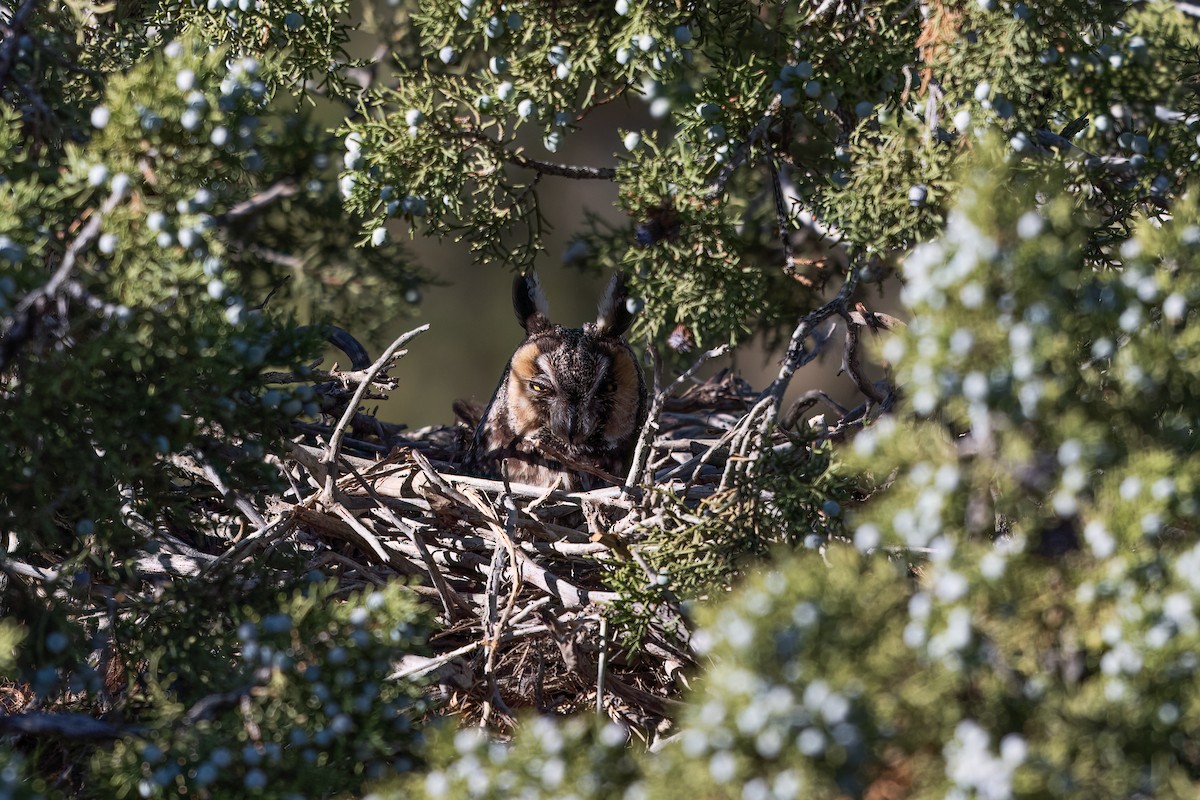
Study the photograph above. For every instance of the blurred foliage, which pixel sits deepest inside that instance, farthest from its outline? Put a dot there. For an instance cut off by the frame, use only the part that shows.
(689, 554)
(568, 758)
(1015, 615)
(308, 710)
(168, 214)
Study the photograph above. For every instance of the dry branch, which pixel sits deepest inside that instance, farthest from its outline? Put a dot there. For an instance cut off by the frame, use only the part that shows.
(339, 431)
(63, 725)
(17, 328)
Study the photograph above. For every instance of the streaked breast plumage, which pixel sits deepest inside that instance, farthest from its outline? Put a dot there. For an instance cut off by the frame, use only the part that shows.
(571, 402)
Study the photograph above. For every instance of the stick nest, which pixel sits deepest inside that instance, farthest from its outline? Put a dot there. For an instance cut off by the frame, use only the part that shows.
(534, 587)
(522, 575)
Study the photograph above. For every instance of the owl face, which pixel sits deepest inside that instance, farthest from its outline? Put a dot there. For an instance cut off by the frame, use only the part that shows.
(570, 397)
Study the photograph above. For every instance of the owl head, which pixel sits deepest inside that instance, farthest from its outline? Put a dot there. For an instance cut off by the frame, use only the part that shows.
(569, 398)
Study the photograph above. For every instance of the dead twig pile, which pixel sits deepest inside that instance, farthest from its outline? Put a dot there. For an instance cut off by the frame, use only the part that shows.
(522, 575)
(524, 578)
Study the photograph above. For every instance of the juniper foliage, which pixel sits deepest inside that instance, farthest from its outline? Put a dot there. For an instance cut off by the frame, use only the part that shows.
(994, 591)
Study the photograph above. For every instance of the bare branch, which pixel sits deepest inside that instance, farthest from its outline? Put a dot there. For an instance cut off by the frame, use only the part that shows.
(650, 427)
(796, 349)
(806, 401)
(781, 218)
(450, 599)
(253, 205)
(541, 167)
(601, 667)
(495, 620)
(339, 431)
(17, 328)
(65, 726)
(851, 364)
(562, 170)
(14, 567)
(739, 157)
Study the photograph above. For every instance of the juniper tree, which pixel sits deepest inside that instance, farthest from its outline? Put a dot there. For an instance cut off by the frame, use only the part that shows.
(184, 184)
(1026, 171)
(166, 200)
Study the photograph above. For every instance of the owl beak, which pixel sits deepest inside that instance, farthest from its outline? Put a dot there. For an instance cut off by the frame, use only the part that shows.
(569, 428)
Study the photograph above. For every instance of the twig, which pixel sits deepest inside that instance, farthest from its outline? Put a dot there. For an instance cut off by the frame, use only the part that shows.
(85, 237)
(653, 418)
(344, 341)
(542, 499)
(429, 665)
(65, 725)
(265, 532)
(792, 199)
(566, 593)
(439, 482)
(496, 621)
(563, 170)
(805, 401)
(541, 167)
(781, 218)
(207, 707)
(371, 541)
(393, 486)
(335, 440)
(739, 156)
(576, 551)
(423, 665)
(553, 453)
(276, 530)
(18, 328)
(851, 364)
(231, 497)
(601, 667)
(932, 98)
(527, 610)
(448, 596)
(491, 626)
(796, 350)
(260, 201)
(746, 438)
(176, 564)
(14, 567)
(696, 462)
(272, 256)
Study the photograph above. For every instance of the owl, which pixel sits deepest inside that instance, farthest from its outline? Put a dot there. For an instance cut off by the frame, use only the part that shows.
(571, 402)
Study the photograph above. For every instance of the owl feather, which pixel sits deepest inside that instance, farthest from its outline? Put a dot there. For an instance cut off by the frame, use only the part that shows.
(571, 402)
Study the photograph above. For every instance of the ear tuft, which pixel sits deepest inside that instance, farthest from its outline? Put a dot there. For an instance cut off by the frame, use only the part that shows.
(615, 315)
(533, 311)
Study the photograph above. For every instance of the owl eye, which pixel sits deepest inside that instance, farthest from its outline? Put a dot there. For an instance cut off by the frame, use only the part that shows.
(539, 388)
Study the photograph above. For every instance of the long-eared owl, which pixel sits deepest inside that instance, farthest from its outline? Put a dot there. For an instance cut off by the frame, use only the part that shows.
(571, 401)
